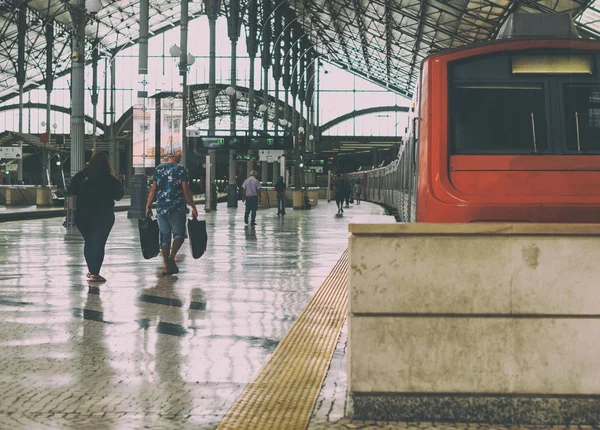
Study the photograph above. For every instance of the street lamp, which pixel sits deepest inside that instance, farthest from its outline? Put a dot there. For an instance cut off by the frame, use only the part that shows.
(175, 51)
(93, 6)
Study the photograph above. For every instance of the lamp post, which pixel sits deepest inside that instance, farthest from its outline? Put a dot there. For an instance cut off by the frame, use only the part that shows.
(213, 8)
(234, 96)
(233, 29)
(78, 11)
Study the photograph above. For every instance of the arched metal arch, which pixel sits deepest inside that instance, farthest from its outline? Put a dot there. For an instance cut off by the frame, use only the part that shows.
(198, 106)
(361, 112)
(55, 108)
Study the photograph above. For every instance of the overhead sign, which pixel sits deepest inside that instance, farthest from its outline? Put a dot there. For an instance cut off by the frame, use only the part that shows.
(321, 162)
(11, 152)
(222, 142)
(315, 169)
(244, 143)
(270, 155)
(275, 142)
(246, 157)
(11, 167)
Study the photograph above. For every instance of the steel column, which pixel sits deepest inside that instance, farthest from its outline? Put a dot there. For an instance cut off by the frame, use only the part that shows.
(49, 84)
(233, 29)
(21, 74)
(113, 150)
(212, 11)
(95, 58)
(78, 87)
(183, 71)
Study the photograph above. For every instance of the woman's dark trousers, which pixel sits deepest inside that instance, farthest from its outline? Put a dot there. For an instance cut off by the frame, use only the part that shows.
(95, 226)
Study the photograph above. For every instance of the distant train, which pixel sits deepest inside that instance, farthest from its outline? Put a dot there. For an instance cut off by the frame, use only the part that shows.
(507, 130)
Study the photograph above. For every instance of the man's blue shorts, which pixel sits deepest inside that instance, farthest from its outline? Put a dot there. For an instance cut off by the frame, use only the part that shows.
(171, 223)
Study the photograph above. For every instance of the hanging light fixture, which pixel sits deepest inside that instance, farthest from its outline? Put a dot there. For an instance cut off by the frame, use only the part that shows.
(262, 108)
(230, 91)
(239, 95)
(190, 59)
(301, 130)
(93, 6)
(175, 51)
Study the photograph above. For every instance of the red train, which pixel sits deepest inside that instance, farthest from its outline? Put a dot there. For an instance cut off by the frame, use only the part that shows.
(507, 130)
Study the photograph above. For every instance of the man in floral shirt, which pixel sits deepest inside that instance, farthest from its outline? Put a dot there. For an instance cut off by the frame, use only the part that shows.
(172, 189)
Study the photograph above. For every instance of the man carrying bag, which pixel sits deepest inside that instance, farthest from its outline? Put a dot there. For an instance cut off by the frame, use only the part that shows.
(172, 190)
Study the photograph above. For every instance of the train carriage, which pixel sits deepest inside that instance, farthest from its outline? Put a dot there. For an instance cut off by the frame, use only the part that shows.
(507, 130)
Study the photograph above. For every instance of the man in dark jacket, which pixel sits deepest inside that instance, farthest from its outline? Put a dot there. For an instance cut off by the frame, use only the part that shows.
(280, 188)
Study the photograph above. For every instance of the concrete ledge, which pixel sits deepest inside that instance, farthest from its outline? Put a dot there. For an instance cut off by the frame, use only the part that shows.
(477, 322)
(379, 225)
(515, 410)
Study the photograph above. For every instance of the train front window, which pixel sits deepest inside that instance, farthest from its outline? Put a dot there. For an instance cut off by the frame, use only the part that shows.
(498, 120)
(582, 118)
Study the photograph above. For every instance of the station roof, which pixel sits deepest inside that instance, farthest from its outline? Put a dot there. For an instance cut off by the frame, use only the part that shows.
(383, 41)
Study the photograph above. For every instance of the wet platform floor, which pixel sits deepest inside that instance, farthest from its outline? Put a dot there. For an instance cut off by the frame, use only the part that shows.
(152, 351)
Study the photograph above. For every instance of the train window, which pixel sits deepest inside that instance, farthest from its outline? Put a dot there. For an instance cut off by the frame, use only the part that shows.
(582, 118)
(498, 120)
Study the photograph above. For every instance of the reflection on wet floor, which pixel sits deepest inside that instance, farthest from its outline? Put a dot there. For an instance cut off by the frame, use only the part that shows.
(143, 348)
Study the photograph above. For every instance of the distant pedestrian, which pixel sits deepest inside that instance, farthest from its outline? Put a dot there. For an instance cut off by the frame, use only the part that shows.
(96, 189)
(357, 191)
(348, 189)
(172, 190)
(340, 194)
(280, 188)
(250, 194)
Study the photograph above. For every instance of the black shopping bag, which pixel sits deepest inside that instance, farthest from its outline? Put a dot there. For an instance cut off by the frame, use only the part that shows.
(149, 237)
(198, 237)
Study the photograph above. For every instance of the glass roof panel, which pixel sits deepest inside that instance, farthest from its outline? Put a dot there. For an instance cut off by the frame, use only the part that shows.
(382, 40)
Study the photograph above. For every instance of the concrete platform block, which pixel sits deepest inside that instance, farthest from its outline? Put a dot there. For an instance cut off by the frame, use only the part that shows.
(474, 323)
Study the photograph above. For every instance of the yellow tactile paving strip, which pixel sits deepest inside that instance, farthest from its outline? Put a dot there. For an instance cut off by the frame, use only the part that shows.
(283, 394)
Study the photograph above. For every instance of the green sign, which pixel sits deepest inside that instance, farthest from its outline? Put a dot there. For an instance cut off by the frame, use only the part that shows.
(246, 157)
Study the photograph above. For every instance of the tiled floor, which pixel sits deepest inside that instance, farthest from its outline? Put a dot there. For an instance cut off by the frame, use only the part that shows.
(152, 351)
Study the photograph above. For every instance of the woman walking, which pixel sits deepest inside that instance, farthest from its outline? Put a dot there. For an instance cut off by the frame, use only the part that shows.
(96, 189)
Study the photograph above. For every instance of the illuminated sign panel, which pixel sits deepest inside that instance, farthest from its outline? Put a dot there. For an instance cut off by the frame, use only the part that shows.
(552, 64)
(245, 143)
(270, 142)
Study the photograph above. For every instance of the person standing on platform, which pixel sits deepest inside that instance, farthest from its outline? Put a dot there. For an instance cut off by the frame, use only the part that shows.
(172, 190)
(357, 191)
(340, 194)
(96, 189)
(280, 188)
(348, 188)
(250, 193)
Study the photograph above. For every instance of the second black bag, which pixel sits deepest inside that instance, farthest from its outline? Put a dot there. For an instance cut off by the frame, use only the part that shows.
(198, 237)
(149, 237)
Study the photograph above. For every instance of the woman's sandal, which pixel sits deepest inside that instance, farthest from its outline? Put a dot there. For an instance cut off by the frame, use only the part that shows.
(96, 278)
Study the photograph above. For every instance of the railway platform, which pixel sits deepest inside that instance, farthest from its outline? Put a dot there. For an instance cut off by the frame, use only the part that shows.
(251, 336)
